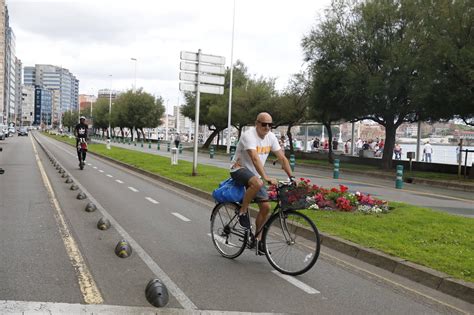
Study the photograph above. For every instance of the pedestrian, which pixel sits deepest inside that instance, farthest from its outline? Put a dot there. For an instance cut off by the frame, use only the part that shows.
(316, 143)
(398, 151)
(427, 151)
(335, 144)
(347, 147)
(281, 142)
(177, 140)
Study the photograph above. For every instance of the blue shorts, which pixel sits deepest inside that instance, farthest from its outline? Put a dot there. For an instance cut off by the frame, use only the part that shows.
(242, 176)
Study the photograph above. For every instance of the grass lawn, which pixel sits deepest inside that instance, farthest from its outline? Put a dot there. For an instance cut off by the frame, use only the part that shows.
(431, 238)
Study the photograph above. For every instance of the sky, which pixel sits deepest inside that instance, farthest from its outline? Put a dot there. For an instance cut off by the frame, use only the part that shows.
(96, 39)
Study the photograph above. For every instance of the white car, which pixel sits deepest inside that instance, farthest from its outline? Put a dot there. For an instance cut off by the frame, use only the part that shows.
(11, 131)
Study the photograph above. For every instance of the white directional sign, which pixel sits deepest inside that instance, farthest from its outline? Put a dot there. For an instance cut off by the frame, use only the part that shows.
(215, 69)
(203, 88)
(203, 78)
(192, 56)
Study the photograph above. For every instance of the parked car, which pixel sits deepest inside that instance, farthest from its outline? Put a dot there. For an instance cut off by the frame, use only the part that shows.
(2, 134)
(23, 131)
(11, 131)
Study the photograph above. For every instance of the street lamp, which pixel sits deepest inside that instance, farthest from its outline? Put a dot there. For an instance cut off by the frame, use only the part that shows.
(230, 87)
(135, 85)
(110, 105)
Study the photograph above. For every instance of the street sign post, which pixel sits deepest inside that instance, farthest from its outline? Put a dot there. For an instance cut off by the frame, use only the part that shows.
(201, 73)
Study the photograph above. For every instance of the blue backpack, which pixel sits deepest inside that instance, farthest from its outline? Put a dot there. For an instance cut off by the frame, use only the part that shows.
(229, 191)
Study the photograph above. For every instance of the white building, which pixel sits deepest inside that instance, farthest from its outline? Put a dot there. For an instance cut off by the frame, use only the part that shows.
(27, 105)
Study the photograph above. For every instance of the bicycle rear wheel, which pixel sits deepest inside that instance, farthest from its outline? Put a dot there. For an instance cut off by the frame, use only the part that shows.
(292, 242)
(227, 235)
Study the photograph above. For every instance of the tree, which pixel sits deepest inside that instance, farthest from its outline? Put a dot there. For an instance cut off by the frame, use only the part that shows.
(70, 119)
(100, 114)
(249, 96)
(290, 108)
(447, 46)
(136, 109)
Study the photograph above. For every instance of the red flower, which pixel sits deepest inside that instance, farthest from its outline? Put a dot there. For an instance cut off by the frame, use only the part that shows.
(334, 190)
(343, 188)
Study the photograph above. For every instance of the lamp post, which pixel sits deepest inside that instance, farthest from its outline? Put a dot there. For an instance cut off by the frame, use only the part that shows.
(230, 86)
(135, 85)
(110, 105)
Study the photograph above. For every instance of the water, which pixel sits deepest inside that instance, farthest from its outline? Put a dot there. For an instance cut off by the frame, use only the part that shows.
(445, 154)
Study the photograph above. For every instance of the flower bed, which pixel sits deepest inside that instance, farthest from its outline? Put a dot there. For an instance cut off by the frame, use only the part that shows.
(315, 197)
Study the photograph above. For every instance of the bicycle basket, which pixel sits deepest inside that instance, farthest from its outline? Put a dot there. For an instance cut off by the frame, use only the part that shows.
(294, 198)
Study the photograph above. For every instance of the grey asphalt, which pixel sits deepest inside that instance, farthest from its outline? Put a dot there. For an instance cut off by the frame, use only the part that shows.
(182, 249)
(443, 199)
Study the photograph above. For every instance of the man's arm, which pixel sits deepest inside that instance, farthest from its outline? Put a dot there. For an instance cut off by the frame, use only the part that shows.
(258, 164)
(284, 162)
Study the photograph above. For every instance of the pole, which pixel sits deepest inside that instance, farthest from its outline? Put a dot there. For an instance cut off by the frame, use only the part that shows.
(306, 138)
(196, 124)
(230, 86)
(135, 84)
(110, 105)
(460, 158)
(418, 141)
(352, 138)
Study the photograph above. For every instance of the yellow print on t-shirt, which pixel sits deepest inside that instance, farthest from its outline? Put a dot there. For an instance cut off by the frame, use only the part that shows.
(263, 150)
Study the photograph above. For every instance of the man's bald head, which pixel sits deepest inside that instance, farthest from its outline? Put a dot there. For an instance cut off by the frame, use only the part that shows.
(264, 117)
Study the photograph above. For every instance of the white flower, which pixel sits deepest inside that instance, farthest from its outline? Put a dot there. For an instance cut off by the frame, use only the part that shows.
(313, 207)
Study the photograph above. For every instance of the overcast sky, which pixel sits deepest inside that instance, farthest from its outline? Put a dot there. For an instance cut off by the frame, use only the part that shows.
(97, 38)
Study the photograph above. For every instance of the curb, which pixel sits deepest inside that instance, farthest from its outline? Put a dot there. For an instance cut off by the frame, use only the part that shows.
(429, 277)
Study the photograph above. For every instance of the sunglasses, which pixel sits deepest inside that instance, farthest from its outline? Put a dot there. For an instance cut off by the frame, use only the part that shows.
(264, 124)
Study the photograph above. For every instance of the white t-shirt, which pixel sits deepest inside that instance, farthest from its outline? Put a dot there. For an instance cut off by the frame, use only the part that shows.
(251, 141)
(428, 148)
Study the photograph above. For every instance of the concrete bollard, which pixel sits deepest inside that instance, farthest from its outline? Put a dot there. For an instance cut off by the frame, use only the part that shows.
(399, 180)
(292, 162)
(174, 156)
(335, 174)
(211, 152)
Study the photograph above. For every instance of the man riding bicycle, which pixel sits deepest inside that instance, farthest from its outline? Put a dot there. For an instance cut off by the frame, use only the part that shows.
(80, 131)
(248, 169)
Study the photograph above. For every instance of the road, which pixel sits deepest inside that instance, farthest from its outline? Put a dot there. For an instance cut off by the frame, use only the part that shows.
(168, 230)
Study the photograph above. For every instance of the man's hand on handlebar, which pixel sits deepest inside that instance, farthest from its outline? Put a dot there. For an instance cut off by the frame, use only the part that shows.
(271, 181)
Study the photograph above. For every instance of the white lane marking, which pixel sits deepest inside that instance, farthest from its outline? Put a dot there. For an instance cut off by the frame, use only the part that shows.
(222, 240)
(180, 216)
(119, 181)
(108, 175)
(89, 164)
(101, 171)
(132, 189)
(297, 283)
(87, 285)
(151, 200)
(95, 167)
(183, 300)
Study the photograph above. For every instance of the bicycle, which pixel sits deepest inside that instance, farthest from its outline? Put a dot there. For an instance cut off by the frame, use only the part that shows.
(290, 239)
(81, 152)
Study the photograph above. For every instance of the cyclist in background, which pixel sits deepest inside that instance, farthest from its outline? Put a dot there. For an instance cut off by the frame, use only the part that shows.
(81, 133)
(248, 169)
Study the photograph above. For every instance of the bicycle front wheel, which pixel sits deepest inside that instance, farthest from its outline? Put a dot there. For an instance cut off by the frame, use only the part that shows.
(227, 235)
(292, 242)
